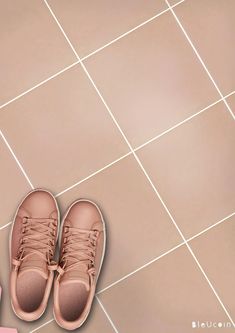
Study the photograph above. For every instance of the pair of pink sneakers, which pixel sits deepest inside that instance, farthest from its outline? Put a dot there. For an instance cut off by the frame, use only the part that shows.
(32, 248)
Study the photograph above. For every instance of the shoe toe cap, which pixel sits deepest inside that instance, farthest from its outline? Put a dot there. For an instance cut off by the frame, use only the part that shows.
(40, 204)
(84, 214)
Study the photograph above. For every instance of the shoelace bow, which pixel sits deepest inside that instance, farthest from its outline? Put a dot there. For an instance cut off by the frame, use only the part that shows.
(78, 248)
(37, 234)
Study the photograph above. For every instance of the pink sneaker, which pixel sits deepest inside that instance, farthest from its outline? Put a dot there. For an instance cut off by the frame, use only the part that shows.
(32, 248)
(82, 248)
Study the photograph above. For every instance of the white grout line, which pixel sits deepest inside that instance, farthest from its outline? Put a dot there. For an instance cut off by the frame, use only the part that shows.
(89, 55)
(133, 151)
(93, 174)
(62, 30)
(47, 322)
(199, 58)
(140, 164)
(161, 255)
(189, 248)
(228, 106)
(211, 227)
(141, 146)
(107, 315)
(140, 268)
(113, 118)
(210, 284)
(16, 159)
(230, 94)
(164, 254)
(136, 149)
(182, 122)
(117, 125)
(5, 225)
(130, 31)
(146, 265)
(83, 180)
(39, 84)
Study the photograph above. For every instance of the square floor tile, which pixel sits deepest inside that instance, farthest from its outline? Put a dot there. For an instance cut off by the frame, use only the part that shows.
(32, 47)
(166, 296)
(61, 132)
(211, 27)
(216, 252)
(96, 322)
(7, 316)
(90, 25)
(193, 169)
(13, 184)
(137, 225)
(151, 79)
(231, 102)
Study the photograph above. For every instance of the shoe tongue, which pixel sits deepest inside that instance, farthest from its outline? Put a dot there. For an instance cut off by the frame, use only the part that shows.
(77, 275)
(34, 264)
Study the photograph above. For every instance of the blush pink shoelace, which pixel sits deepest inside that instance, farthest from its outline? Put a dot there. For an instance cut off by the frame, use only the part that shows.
(37, 239)
(78, 250)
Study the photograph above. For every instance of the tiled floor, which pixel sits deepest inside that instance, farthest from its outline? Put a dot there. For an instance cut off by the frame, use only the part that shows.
(144, 126)
(231, 102)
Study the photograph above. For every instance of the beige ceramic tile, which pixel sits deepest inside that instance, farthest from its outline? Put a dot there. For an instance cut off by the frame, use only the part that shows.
(167, 296)
(13, 184)
(231, 102)
(96, 322)
(32, 47)
(193, 169)
(215, 250)
(90, 25)
(173, 2)
(61, 132)
(151, 79)
(137, 225)
(211, 26)
(7, 316)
